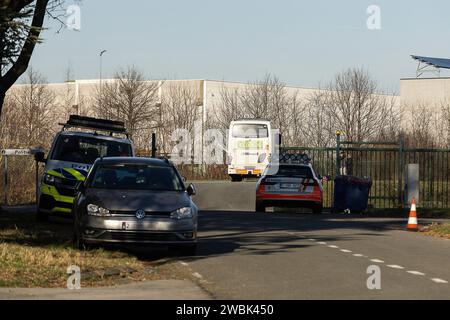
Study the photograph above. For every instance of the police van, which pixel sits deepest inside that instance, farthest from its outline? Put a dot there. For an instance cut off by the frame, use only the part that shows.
(74, 149)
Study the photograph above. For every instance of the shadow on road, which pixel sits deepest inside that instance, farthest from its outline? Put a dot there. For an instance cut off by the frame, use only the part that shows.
(220, 232)
(223, 232)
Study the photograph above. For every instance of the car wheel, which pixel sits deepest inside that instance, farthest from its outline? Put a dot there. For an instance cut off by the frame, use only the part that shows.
(260, 207)
(317, 210)
(41, 216)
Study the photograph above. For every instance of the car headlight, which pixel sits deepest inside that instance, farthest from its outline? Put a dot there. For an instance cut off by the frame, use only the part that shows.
(182, 213)
(51, 180)
(95, 210)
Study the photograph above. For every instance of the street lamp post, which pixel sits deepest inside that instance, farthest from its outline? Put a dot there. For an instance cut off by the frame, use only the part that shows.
(101, 93)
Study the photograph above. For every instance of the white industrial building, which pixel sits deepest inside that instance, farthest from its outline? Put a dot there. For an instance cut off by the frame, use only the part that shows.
(77, 96)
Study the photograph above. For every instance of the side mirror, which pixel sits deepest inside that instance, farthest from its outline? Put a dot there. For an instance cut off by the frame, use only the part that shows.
(191, 190)
(40, 157)
(80, 186)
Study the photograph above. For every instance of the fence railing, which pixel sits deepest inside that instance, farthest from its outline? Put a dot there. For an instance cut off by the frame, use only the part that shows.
(385, 166)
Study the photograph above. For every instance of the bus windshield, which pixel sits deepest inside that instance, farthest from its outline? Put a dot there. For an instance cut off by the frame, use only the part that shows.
(86, 150)
(250, 130)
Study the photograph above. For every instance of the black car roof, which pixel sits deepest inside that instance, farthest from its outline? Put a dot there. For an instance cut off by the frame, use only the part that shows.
(134, 160)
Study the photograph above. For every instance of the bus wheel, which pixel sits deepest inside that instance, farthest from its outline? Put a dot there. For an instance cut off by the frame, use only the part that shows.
(236, 177)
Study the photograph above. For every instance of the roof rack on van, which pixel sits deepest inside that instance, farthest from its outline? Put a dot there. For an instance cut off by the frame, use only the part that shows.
(110, 126)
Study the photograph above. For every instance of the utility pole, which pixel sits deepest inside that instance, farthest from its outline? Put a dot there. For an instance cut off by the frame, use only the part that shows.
(101, 93)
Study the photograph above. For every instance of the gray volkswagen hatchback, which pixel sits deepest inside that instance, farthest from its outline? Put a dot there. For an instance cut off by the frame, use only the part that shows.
(127, 200)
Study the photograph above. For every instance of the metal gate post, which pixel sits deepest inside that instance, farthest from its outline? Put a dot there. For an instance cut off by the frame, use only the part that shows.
(338, 152)
(5, 186)
(153, 145)
(400, 171)
(37, 182)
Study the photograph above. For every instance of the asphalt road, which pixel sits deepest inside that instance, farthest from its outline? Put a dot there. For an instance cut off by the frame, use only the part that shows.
(244, 255)
(247, 255)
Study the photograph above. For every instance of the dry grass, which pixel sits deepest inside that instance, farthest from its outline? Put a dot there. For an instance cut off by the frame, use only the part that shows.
(38, 255)
(441, 230)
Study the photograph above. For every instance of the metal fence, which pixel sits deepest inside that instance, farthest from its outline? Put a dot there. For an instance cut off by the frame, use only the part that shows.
(385, 166)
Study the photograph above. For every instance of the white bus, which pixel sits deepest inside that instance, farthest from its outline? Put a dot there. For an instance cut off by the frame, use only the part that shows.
(249, 147)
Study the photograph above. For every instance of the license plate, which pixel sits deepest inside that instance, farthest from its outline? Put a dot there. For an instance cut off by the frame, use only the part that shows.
(126, 226)
(290, 186)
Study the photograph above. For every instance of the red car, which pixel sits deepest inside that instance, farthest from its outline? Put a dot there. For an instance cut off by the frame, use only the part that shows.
(289, 184)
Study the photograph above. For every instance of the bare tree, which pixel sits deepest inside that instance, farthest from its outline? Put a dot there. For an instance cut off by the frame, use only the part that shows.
(21, 23)
(35, 104)
(420, 123)
(179, 110)
(317, 121)
(228, 109)
(355, 105)
(128, 97)
(445, 122)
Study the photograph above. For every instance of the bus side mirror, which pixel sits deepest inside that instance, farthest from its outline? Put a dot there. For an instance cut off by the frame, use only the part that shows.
(40, 157)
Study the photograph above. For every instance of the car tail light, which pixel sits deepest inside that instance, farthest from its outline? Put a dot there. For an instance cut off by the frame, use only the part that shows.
(261, 188)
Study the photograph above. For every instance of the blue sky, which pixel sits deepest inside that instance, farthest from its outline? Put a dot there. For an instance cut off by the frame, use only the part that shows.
(302, 42)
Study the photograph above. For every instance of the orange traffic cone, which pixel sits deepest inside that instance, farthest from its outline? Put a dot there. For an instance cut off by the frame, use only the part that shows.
(412, 221)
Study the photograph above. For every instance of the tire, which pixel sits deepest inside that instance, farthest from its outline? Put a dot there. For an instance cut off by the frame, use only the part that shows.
(317, 210)
(236, 178)
(187, 250)
(260, 207)
(41, 216)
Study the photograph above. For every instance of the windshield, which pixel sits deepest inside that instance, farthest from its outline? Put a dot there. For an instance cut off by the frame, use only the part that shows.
(137, 177)
(250, 131)
(293, 170)
(86, 150)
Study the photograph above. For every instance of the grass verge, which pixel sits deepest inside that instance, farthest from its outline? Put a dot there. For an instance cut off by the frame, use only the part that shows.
(38, 255)
(441, 230)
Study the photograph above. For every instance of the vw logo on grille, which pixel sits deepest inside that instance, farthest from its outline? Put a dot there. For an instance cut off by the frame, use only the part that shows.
(140, 214)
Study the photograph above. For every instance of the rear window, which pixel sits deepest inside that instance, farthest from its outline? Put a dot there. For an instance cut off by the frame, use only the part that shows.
(250, 131)
(293, 170)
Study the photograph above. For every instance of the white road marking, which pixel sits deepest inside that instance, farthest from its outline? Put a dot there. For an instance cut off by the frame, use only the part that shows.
(377, 260)
(197, 275)
(394, 266)
(437, 280)
(416, 273)
(183, 263)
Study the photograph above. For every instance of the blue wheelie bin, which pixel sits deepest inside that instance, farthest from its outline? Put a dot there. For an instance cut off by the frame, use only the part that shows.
(351, 193)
